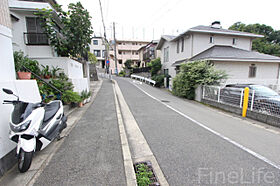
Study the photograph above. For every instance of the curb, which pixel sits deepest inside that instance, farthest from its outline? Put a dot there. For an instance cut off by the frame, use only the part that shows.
(128, 163)
(136, 141)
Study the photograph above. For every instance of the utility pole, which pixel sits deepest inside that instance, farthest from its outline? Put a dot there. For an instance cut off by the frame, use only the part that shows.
(115, 50)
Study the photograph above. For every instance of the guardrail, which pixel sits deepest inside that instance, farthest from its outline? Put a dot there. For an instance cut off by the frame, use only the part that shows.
(143, 79)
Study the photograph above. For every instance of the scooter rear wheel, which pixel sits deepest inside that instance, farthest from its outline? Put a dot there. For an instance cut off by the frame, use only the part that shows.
(24, 160)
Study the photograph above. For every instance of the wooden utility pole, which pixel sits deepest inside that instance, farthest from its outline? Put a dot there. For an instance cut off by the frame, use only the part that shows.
(115, 50)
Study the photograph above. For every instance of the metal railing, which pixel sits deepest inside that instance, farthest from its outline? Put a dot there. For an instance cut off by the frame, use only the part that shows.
(36, 39)
(269, 105)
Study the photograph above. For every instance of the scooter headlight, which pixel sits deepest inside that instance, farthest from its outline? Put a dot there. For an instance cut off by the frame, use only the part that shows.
(21, 127)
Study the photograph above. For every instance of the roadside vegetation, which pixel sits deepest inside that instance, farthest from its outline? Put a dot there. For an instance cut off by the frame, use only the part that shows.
(143, 175)
(156, 72)
(74, 37)
(192, 75)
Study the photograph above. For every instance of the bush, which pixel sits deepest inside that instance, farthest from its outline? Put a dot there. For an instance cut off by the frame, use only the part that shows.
(159, 80)
(122, 74)
(155, 66)
(193, 74)
(71, 97)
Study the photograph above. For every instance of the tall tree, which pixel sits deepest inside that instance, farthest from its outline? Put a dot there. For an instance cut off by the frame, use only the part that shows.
(74, 37)
(269, 44)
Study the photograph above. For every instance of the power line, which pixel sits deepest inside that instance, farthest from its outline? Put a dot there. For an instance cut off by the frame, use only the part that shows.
(102, 18)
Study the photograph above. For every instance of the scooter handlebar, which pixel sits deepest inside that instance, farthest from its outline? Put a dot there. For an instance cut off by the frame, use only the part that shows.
(8, 102)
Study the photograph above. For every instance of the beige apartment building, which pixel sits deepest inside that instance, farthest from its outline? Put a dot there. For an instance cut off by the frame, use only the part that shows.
(126, 49)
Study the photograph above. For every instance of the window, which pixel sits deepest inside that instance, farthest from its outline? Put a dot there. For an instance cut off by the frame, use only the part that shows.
(120, 61)
(97, 53)
(211, 39)
(178, 46)
(252, 71)
(120, 52)
(234, 41)
(166, 54)
(165, 71)
(183, 43)
(103, 53)
(35, 33)
(95, 42)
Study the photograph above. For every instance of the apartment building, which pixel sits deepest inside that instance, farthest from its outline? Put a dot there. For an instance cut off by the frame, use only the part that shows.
(126, 50)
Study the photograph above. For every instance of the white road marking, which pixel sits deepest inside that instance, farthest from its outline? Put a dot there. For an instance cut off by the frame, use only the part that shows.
(214, 132)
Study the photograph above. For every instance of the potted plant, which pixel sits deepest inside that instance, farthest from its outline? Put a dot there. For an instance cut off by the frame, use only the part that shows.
(46, 72)
(22, 63)
(54, 71)
(84, 96)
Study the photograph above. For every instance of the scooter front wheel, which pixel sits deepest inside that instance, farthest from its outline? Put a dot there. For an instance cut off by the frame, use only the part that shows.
(24, 160)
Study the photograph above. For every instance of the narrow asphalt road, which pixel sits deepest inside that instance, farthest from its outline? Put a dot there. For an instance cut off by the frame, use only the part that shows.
(188, 153)
(92, 153)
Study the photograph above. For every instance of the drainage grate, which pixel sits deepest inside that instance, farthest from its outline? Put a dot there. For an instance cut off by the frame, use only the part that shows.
(165, 101)
(153, 179)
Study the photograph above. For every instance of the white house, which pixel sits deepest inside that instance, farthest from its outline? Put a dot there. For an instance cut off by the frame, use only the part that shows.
(97, 47)
(227, 49)
(27, 90)
(29, 37)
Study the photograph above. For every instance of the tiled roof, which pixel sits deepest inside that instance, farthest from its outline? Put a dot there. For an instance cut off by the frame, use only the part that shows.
(231, 53)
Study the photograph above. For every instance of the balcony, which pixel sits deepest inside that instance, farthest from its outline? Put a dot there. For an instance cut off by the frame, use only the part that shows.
(36, 39)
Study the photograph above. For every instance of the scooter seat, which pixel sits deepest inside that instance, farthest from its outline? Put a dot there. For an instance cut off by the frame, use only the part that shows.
(50, 110)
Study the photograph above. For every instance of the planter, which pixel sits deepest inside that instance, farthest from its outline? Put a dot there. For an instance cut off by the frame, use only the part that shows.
(47, 76)
(81, 104)
(24, 75)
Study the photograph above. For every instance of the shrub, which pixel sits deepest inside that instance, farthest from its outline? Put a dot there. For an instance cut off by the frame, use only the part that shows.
(122, 74)
(155, 66)
(193, 74)
(159, 80)
(71, 97)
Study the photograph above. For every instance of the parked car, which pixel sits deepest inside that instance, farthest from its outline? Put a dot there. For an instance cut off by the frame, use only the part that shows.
(265, 100)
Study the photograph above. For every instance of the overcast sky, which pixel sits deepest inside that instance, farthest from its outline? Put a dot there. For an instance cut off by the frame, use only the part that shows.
(149, 19)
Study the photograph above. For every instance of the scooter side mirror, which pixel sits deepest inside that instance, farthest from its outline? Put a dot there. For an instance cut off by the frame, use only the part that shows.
(7, 91)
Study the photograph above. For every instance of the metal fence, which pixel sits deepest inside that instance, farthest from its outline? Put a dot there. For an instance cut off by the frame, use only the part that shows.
(234, 96)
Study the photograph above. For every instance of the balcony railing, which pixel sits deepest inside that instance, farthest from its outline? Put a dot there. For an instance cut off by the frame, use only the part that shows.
(36, 39)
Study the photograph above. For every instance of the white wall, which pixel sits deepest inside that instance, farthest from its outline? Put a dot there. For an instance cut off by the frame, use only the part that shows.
(201, 42)
(19, 28)
(72, 68)
(239, 72)
(7, 70)
(172, 59)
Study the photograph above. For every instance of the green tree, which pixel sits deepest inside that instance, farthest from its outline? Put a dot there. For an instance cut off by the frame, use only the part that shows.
(92, 58)
(269, 44)
(74, 37)
(128, 64)
(155, 66)
(193, 74)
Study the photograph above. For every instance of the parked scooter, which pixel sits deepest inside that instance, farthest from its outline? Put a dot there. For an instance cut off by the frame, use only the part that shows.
(33, 126)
